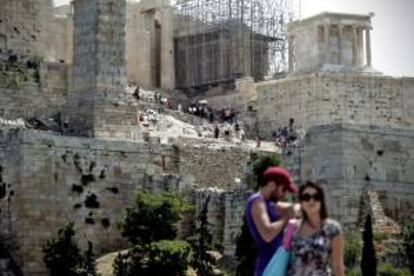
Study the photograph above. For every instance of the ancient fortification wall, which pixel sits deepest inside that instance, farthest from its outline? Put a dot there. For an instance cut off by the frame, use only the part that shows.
(33, 91)
(349, 159)
(49, 180)
(318, 99)
(24, 26)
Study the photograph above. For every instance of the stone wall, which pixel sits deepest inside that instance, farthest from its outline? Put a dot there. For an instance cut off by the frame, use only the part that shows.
(84, 56)
(212, 165)
(224, 213)
(24, 26)
(42, 92)
(60, 43)
(149, 44)
(99, 39)
(50, 180)
(348, 159)
(317, 99)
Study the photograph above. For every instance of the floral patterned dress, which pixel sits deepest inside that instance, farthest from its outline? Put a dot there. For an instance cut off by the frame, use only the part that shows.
(311, 256)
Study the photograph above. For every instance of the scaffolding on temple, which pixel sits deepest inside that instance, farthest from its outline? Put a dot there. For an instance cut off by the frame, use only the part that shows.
(218, 41)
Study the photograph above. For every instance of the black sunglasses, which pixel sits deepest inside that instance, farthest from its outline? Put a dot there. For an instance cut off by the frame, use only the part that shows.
(308, 197)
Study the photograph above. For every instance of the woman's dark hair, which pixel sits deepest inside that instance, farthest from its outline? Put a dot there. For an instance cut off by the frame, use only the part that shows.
(309, 184)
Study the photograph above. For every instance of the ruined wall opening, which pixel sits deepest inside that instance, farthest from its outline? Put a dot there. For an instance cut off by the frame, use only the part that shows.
(158, 29)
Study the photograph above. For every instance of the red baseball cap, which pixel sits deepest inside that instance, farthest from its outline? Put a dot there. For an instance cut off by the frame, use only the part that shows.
(280, 176)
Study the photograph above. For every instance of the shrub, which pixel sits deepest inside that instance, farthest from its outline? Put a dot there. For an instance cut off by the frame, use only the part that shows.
(352, 252)
(132, 263)
(62, 256)
(153, 218)
(369, 259)
(246, 252)
(261, 164)
(166, 257)
(408, 243)
(201, 243)
(120, 265)
(88, 267)
(169, 258)
(389, 270)
(353, 272)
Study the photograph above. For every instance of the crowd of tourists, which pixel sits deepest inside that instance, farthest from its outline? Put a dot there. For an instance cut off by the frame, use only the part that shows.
(286, 136)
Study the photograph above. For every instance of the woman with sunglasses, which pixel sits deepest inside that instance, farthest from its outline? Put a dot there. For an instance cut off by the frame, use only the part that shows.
(317, 245)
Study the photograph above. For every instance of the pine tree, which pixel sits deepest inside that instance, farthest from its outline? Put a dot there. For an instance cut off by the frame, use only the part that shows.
(408, 240)
(369, 259)
(89, 263)
(202, 243)
(62, 255)
(120, 265)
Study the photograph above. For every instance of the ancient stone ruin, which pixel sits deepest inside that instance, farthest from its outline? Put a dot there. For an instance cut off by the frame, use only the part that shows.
(97, 103)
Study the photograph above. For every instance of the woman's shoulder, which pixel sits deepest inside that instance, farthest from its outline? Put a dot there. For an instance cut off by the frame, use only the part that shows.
(332, 228)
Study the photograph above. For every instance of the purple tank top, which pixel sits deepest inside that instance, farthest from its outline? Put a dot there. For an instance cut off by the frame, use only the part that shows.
(266, 250)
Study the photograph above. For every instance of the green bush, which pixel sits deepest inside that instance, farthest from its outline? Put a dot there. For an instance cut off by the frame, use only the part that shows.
(380, 237)
(201, 242)
(352, 251)
(353, 272)
(168, 258)
(408, 243)
(261, 164)
(153, 218)
(63, 257)
(246, 252)
(150, 226)
(120, 265)
(389, 270)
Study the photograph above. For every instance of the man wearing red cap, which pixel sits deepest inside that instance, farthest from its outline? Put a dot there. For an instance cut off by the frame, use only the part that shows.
(266, 216)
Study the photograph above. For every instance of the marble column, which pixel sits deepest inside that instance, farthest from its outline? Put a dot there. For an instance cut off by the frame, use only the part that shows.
(341, 44)
(290, 49)
(368, 46)
(355, 49)
(360, 47)
(327, 44)
(167, 49)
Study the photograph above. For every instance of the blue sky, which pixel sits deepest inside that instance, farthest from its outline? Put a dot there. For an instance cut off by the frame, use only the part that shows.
(392, 35)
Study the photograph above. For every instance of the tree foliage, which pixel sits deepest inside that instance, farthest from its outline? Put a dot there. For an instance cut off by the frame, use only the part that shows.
(261, 164)
(63, 257)
(389, 270)
(151, 227)
(202, 242)
(352, 252)
(246, 252)
(408, 242)
(168, 257)
(153, 218)
(369, 259)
